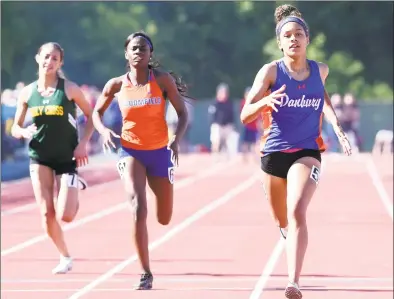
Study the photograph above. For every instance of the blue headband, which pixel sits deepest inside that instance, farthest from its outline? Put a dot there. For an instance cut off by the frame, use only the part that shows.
(291, 19)
(147, 41)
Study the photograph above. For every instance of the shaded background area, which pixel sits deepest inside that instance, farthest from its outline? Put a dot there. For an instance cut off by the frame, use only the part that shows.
(206, 43)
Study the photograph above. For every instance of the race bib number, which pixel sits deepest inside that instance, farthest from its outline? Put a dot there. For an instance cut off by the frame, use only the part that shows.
(171, 174)
(121, 166)
(315, 174)
(72, 180)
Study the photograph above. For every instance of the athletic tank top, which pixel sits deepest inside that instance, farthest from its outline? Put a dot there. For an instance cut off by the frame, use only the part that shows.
(56, 137)
(298, 122)
(143, 113)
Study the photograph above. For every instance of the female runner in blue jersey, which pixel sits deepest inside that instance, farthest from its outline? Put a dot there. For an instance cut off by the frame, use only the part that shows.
(290, 95)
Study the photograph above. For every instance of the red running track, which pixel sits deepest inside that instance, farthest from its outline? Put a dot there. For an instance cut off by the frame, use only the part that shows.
(221, 243)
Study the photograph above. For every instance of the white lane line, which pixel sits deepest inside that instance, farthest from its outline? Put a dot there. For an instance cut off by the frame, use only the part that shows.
(170, 234)
(210, 279)
(378, 184)
(77, 223)
(95, 166)
(98, 290)
(268, 269)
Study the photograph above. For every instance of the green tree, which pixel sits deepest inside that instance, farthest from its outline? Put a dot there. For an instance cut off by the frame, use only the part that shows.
(206, 43)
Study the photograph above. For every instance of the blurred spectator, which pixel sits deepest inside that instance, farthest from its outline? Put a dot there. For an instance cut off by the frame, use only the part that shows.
(172, 122)
(94, 143)
(350, 120)
(383, 142)
(350, 111)
(18, 88)
(221, 114)
(250, 133)
(12, 148)
(9, 145)
(171, 119)
(113, 119)
(329, 134)
(8, 108)
(185, 143)
(348, 114)
(336, 102)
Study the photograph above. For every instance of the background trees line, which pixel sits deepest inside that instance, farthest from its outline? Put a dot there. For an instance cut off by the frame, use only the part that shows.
(205, 42)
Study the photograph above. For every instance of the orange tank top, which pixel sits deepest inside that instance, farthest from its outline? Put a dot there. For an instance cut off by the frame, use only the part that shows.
(143, 113)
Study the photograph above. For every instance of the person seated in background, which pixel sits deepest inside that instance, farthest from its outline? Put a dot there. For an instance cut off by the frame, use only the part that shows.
(221, 114)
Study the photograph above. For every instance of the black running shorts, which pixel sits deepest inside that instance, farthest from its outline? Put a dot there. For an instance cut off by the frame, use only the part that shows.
(279, 163)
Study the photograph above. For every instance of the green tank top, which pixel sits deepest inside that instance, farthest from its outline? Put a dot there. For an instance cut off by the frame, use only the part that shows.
(55, 117)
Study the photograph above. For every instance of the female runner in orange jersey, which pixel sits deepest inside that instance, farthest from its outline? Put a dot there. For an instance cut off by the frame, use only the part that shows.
(146, 154)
